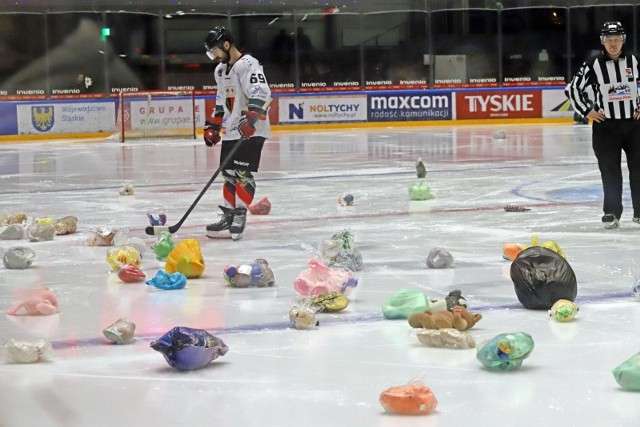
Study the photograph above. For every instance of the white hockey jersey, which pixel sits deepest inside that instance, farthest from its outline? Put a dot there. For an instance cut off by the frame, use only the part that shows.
(239, 86)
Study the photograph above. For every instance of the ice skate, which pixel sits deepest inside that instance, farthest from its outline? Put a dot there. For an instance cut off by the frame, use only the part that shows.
(238, 223)
(610, 221)
(219, 229)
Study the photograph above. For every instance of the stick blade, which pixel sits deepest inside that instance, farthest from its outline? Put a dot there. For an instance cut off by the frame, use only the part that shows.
(155, 231)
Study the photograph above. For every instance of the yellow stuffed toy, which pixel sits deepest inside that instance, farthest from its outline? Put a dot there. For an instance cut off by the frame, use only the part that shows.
(186, 258)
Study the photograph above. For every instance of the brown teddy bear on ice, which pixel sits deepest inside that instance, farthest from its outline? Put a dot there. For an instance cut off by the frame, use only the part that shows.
(458, 318)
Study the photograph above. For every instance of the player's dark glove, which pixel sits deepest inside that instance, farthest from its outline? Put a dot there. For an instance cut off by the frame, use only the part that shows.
(247, 122)
(212, 133)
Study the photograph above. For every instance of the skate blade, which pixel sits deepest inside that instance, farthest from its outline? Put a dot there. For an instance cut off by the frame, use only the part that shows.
(236, 237)
(218, 234)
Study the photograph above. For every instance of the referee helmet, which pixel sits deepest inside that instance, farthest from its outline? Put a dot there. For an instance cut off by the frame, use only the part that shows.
(612, 28)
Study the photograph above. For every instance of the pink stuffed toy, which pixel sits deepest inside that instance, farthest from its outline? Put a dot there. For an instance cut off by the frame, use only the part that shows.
(319, 278)
(263, 207)
(37, 302)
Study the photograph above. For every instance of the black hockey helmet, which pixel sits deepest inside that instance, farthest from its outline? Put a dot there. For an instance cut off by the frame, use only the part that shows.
(217, 37)
(612, 28)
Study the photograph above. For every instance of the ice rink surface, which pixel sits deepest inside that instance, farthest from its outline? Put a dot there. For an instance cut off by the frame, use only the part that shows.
(274, 375)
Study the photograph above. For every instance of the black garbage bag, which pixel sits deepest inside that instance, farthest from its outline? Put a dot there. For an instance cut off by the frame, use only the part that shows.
(541, 277)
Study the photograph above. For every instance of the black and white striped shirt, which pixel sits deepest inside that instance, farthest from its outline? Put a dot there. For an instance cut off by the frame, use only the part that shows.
(614, 85)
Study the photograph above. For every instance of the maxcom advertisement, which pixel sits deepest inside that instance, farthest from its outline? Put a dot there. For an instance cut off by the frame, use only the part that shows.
(409, 106)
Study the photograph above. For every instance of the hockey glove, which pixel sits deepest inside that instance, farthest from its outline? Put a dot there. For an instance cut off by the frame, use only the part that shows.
(212, 133)
(247, 120)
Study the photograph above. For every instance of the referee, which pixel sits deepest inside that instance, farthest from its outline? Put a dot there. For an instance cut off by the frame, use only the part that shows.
(615, 111)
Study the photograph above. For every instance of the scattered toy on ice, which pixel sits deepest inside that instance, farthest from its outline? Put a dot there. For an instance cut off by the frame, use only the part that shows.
(163, 246)
(130, 273)
(421, 170)
(515, 208)
(28, 351)
(439, 258)
(627, 374)
(66, 225)
(263, 207)
(302, 316)
(346, 199)
(635, 289)
(511, 250)
(403, 303)
(120, 332)
(18, 258)
(257, 273)
(341, 251)
(505, 352)
(161, 219)
(36, 302)
(446, 338)
(13, 218)
(420, 191)
(458, 318)
(187, 349)
(500, 134)
(186, 258)
(449, 302)
(541, 277)
(168, 282)
(126, 190)
(12, 232)
(413, 398)
(563, 310)
(328, 302)
(103, 236)
(119, 256)
(41, 231)
(122, 238)
(319, 278)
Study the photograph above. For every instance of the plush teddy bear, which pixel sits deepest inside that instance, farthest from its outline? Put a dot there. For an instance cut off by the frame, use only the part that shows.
(459, 318)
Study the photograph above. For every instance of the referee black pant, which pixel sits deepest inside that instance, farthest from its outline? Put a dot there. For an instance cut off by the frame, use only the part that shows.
(610, 138)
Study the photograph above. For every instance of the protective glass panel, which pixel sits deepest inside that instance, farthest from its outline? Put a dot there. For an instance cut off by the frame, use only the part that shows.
(465, 48)
(328, 55)
(396, 50)
(187, 66)
(534, 46)
(78, 54)
(23, 68)
(134, 58)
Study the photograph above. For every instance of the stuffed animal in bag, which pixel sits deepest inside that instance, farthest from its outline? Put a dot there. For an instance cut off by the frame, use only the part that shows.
(459, 318)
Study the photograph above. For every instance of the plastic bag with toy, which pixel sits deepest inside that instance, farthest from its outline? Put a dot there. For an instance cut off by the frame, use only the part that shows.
(320, 278)
(341, 251)
(255, 273)
(186, 258)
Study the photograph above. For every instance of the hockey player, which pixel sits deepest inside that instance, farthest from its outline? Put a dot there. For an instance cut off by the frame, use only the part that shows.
(239, 118)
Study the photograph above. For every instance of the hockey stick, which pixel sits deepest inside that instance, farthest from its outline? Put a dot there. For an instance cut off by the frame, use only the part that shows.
(155, 230)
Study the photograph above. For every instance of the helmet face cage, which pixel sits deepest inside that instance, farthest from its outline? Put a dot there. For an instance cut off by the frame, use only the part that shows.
(612, 28)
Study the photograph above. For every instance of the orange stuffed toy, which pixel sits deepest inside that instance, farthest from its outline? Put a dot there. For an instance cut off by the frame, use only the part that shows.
(458, 318)
(413, 398)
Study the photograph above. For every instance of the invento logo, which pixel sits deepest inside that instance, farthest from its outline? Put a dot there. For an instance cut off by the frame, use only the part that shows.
(42, 118)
